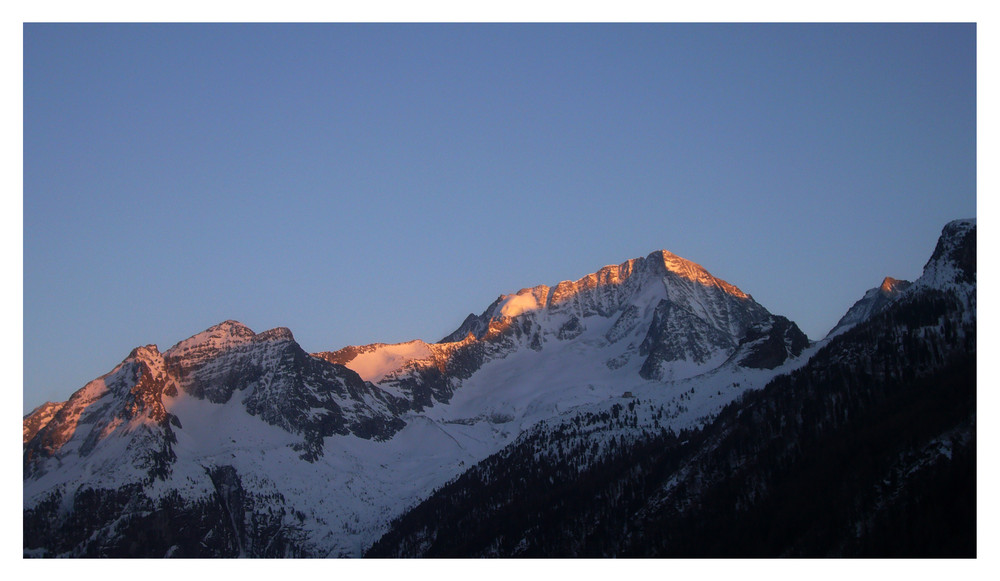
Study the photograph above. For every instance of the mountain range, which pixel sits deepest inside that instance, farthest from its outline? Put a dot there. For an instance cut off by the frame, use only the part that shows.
(647, 409)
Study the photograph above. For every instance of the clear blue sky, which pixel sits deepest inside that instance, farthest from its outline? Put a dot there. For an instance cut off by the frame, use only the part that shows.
(363, 183)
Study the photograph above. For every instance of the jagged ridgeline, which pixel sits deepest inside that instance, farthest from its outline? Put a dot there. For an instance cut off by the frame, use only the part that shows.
(647, 409)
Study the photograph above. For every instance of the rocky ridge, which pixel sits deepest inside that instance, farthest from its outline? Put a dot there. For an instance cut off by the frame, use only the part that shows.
(668, 315)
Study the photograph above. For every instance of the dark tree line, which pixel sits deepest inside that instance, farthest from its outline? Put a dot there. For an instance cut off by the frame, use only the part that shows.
(868, 450)
(126, 523)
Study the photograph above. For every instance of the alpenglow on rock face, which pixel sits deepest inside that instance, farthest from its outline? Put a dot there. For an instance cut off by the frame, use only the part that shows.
(258, 448)
(866, 449)
(268, 373)
(660, 317)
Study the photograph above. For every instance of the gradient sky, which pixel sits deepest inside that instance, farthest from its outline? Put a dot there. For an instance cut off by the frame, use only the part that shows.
(363, 183)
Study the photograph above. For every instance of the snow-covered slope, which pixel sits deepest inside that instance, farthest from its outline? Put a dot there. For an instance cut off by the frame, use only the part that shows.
(314, 454)
(952, 266)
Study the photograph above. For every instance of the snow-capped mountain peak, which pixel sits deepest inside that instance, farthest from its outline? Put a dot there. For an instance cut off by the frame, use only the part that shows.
(952, 266)
(655, 317)
(639, 282)
(695, 272)
(225, 335)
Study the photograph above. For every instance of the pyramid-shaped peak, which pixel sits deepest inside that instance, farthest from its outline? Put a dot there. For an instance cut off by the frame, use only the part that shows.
(659, 275)
(893, 285)
(674, 263)
(692, 271)
(230, 327)
(221, 336)
(145, 353)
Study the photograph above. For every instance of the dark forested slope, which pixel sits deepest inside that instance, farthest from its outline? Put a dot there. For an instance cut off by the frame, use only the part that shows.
(867, 450)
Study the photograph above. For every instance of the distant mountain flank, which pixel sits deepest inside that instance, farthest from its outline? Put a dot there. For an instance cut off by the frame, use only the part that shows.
(875, 301)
